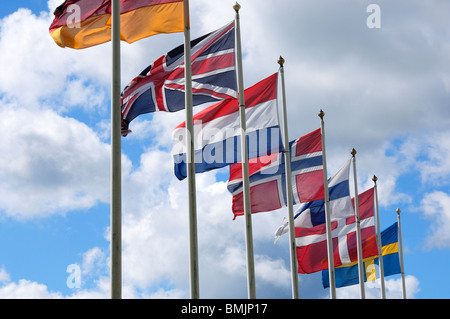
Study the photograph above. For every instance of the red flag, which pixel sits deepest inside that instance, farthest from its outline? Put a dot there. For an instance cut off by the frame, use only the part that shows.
(268, 178)
(312, 242)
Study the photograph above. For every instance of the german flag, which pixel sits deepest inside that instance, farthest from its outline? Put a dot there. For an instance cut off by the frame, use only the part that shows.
(80, 24)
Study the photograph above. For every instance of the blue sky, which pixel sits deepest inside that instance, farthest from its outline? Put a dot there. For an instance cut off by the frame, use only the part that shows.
(385, 92)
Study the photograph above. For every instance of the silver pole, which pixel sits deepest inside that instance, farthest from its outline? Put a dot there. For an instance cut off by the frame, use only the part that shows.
(358, 230)
(287, 161)
(116, 191)
(331, 272)
(380, 247)
(245, 173)
(400, 248)
(192, 198)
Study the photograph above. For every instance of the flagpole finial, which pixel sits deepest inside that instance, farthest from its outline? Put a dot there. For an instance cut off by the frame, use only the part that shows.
(236, 7)
(374, 178)
(321, 114)
(281, 61)
(398, 211)
(353, 152)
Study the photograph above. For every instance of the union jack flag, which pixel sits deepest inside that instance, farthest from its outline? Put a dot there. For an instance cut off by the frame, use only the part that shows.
(160, 87)
(268, 177)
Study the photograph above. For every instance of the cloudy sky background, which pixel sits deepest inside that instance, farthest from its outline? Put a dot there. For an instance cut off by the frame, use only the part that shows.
(385, 92)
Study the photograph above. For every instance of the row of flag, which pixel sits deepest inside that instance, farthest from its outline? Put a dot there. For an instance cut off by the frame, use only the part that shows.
(217, 131)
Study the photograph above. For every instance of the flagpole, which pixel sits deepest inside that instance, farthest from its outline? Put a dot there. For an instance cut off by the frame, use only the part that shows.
(116, 191)
(290, 205)
(331, 271)
(192, 198)
(400, 248)
(245, 172)
(358, 230)
(380, 247)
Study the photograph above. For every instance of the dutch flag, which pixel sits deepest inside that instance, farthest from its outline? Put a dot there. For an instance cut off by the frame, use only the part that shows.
(217, 130)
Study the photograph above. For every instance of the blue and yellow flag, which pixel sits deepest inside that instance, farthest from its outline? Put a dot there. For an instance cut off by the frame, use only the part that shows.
(347, 275)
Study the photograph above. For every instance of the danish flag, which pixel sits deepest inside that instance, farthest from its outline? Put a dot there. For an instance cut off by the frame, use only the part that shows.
(312, 242)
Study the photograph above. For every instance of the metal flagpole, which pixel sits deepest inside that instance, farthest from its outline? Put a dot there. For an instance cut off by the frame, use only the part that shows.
(245, 173)
(287, 161)
(380, 247)
(193, 240)
(400, 250)
(331, 271)
(116, 191)
(358, 230)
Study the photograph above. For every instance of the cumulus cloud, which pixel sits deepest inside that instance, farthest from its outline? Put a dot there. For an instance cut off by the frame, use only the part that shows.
(372, 289)
(24, 289)
(434, 160)
(50, 164)
(4, 276)
(36, 69)
(436, 207)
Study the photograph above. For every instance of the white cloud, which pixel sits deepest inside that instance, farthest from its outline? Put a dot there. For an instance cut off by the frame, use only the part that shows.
(35, 68)
(272, 271)
(166, 294)
(94, 263)
(24, 289)
(50, 164)
(435, 169)
(435, 206)
(372, 289)
(100, 291)
(394, 287)
(4, 276)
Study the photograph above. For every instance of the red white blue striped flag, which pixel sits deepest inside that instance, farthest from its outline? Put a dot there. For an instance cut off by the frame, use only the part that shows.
(217, 130)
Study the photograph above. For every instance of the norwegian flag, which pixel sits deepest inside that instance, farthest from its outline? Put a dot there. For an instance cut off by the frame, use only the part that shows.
(312, 241)
(160, 87)
(312, 213)
(268, 177)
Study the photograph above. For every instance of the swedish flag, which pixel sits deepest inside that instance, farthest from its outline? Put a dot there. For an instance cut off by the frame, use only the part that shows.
(347, 275)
